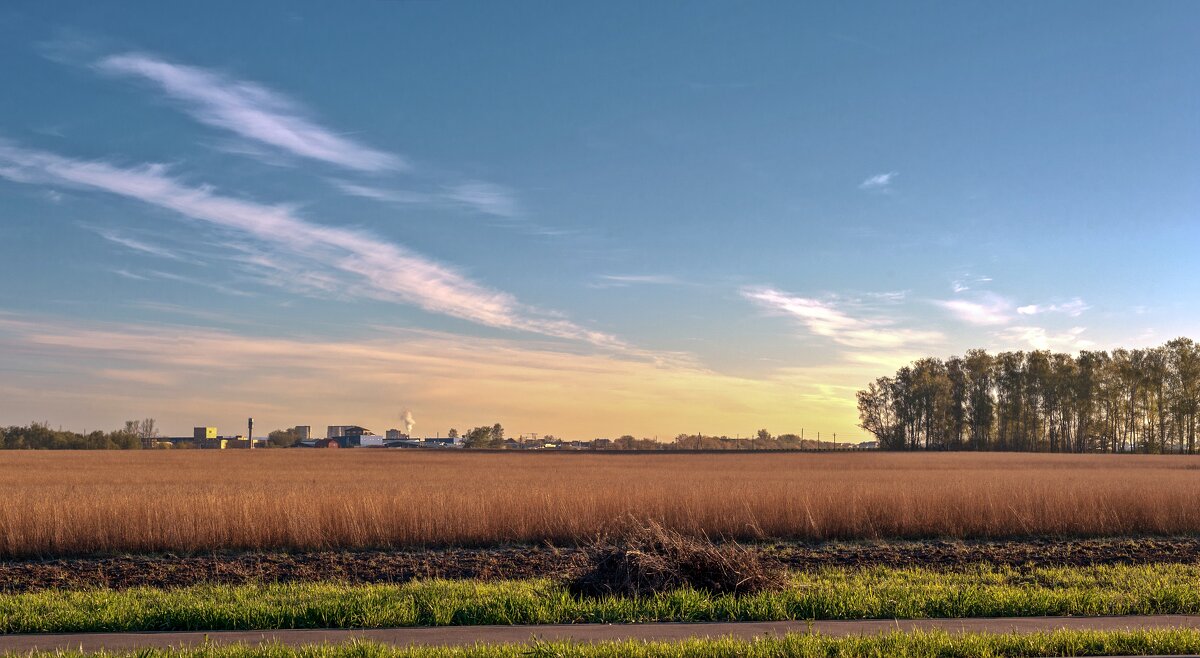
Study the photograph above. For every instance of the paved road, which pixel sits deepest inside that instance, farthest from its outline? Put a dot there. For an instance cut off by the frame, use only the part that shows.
(467, 635)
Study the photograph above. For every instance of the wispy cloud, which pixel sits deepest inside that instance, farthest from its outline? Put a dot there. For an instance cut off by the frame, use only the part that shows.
(968, 281)
(983, 308)
(363, 263)
(249, 110)
(130, 275)
(135, 244)
(476, 196)
(987, 311)
(381, 194)
(1039, 338)
(487, 198)
(879, 182)
(189, 311)
(890, 296)
(625, 280)
(203, 283)
(824, 318)
(1073, 308)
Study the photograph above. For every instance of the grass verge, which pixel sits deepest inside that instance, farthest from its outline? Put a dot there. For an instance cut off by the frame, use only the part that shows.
(825, 594)
(898, 645)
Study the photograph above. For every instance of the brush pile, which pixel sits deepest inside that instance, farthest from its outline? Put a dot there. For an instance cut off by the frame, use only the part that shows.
(646, 559)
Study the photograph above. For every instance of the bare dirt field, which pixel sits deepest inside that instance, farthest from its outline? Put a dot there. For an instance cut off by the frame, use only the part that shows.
(518, 562)
(193, 502)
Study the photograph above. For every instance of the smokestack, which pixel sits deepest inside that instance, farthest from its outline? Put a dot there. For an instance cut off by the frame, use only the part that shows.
(250, 433)
(409, 423)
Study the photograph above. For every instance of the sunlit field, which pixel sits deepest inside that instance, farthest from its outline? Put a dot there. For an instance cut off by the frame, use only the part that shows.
(60, 503)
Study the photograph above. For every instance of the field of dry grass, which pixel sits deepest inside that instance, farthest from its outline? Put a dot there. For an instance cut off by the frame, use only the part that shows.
(57, 503)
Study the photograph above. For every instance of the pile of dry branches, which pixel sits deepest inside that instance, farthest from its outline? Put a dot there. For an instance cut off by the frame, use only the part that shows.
(648, 558)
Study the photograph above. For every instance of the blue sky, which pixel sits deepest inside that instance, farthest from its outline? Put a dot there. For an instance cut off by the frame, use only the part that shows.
(580, 219)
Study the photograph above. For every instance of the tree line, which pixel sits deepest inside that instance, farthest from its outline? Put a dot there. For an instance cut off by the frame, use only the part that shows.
(39, 436)
(1140, 400)
(135, 435)
(762, 440)
(492, 437)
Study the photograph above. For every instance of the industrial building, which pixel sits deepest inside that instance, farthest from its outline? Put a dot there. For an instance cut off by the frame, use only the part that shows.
(207, 438)
(334, 431)
(337, 436)
(353, 436)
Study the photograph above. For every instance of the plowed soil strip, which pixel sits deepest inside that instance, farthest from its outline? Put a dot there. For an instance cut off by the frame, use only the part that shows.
(516, 562)
(469, 635)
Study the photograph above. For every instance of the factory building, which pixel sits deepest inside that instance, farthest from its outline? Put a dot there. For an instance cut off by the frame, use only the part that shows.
(337, 436)
(335, 431)
(353, 436)
(208, 439)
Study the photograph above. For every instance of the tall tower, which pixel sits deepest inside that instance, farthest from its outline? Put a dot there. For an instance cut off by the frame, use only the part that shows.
(250, 433)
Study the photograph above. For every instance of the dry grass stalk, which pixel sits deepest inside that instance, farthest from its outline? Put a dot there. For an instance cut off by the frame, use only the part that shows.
(55, 503)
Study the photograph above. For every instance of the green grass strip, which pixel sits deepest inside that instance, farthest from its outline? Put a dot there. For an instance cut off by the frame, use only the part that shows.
(898, 645)
(827, 594)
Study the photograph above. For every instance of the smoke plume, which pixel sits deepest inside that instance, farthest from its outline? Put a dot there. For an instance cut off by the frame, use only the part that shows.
(407, 417)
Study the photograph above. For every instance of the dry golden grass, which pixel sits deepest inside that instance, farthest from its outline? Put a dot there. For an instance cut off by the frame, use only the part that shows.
(54, 503)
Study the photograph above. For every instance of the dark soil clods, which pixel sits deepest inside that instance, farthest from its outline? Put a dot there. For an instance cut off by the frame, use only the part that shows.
(510, 562)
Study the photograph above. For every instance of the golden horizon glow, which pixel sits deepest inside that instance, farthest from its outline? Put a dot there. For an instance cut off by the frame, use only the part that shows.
(185, 376)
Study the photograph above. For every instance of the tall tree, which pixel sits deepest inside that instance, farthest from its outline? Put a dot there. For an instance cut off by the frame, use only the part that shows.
(1141, 400)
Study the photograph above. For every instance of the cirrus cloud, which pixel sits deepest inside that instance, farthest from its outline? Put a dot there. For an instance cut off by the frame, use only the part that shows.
(1073, 308)
(355, 262)
(824, 318)
(250, 111)
(879, 182)
(988, 310)
(1039, 338)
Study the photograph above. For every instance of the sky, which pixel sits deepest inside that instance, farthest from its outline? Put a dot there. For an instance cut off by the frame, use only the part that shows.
(579, 219)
